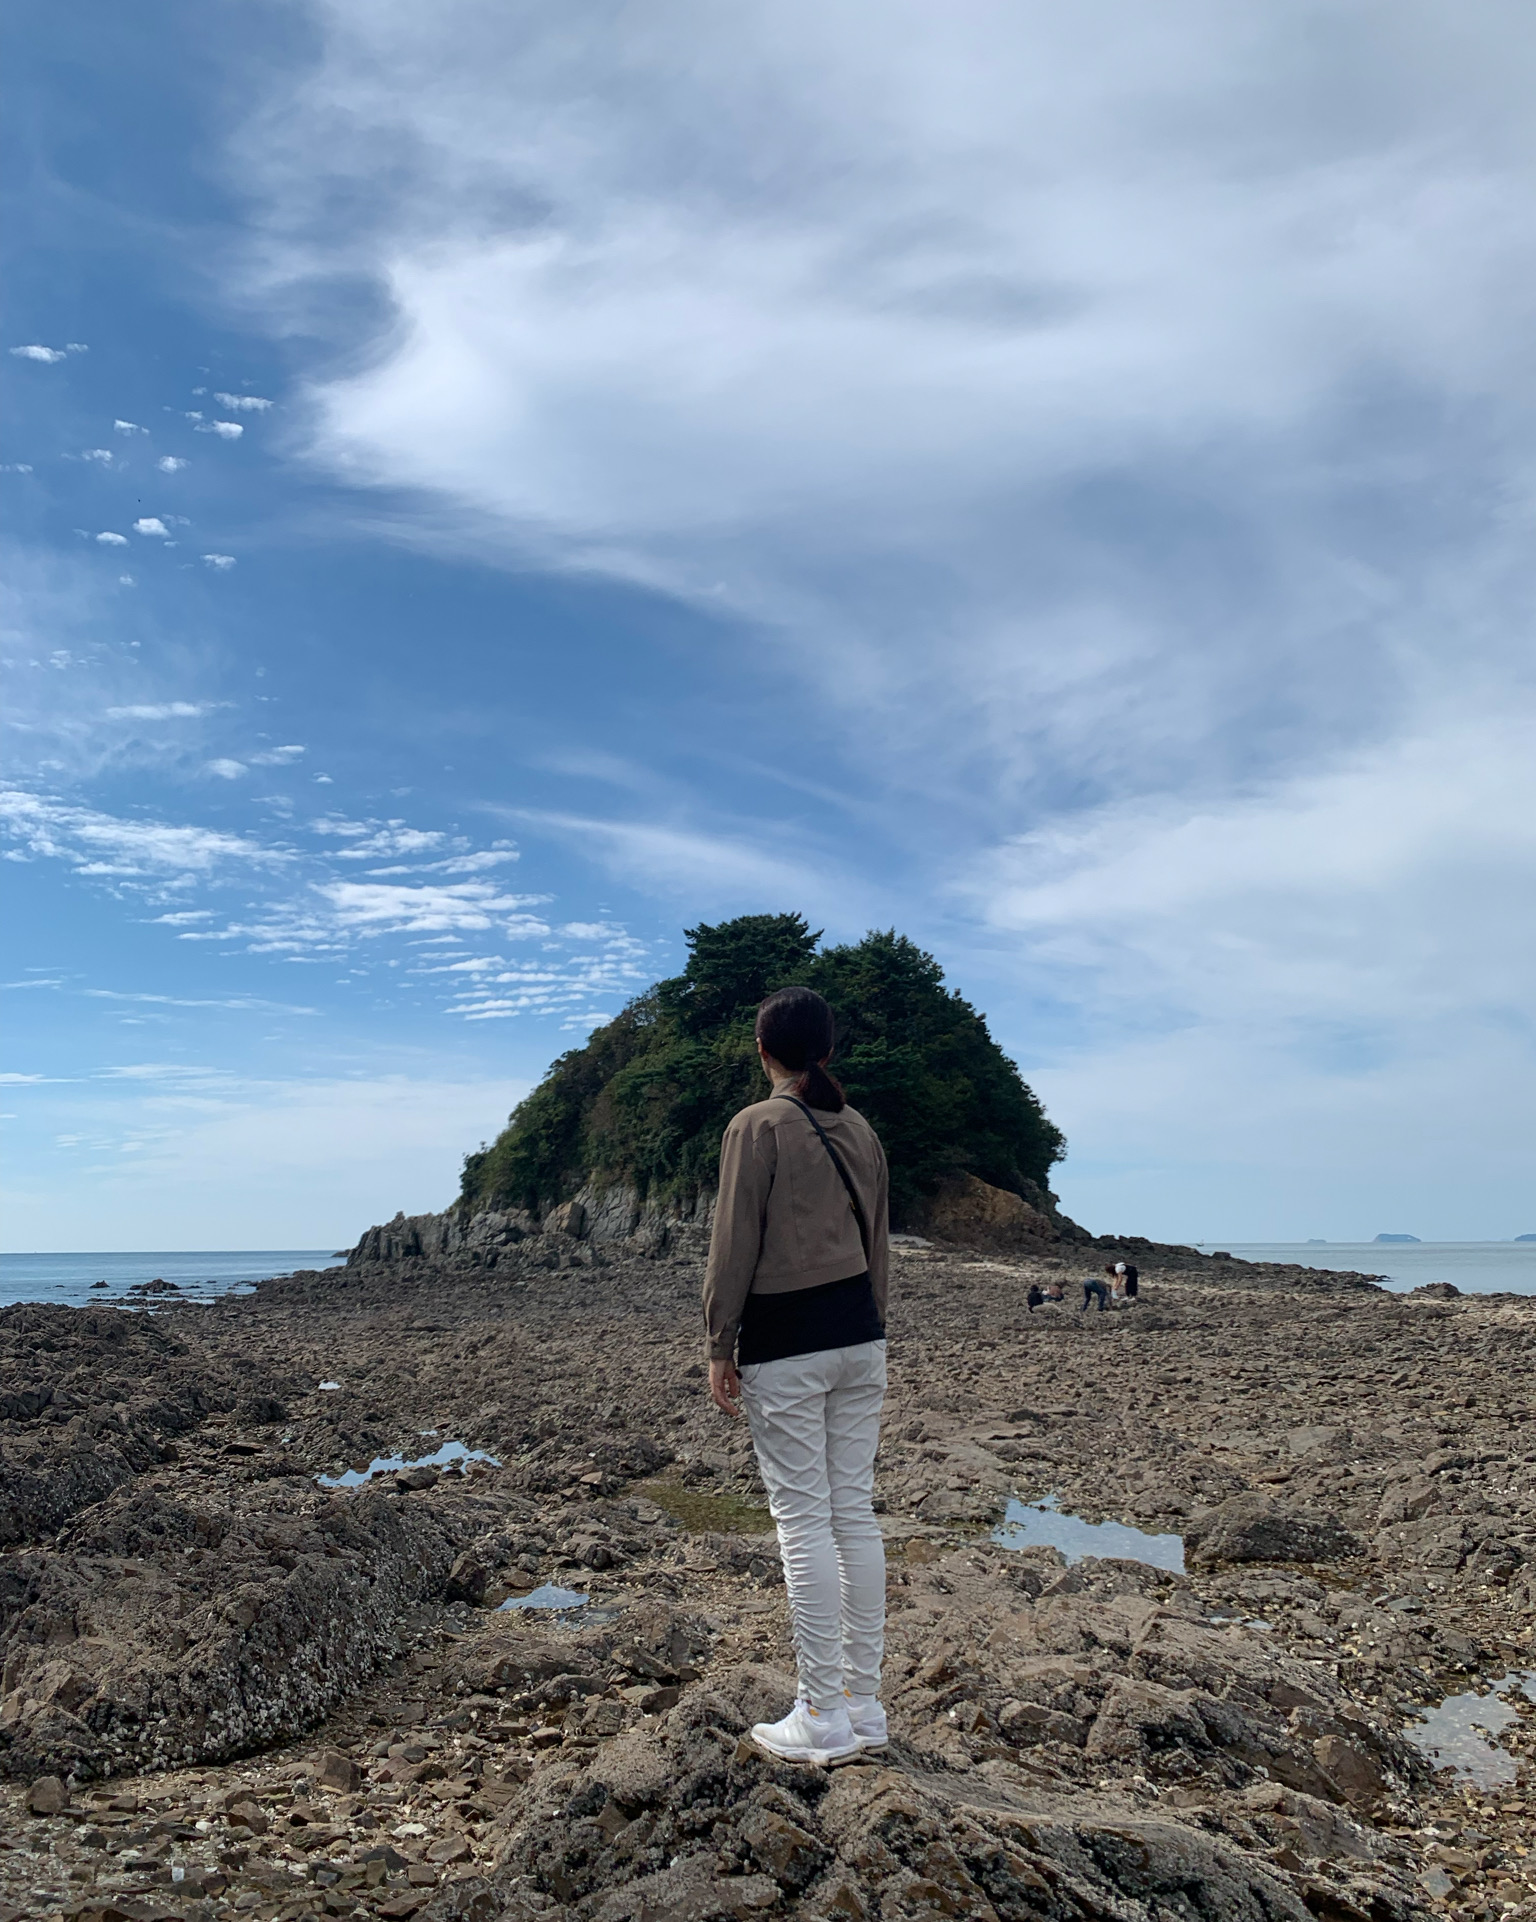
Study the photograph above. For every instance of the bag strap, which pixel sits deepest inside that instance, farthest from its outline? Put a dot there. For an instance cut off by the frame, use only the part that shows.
(837, 1162)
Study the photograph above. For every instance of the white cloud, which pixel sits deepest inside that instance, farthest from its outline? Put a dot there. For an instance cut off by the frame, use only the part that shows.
(15, 467)
(162, 1071)
(170, 464)
(276, 756)
(47, 355)
(21, 1080)
(225, 769)
(103, 456)
(1024, 411)
(221, 562)
(479, 862)
(129, 427)
(225, 429)
(104, 844)
(1295, 990)
(466, 906)
(396, 838)
(113, 540)
(159, 711)
(152, 524)
(243, 403)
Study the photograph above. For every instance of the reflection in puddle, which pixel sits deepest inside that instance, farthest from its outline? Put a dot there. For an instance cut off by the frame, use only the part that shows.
(1044, 1525)
(1458, 1733)
(549, 1596)
(391, 1464)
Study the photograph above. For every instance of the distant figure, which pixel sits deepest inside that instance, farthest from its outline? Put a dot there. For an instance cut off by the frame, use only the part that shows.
(1034, 1298)
(1093, 1287)
(1053, 1291)
(1116, 1272)
(1132, 1281)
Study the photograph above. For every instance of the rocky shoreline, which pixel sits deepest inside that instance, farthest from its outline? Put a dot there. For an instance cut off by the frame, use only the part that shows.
(233, 1687)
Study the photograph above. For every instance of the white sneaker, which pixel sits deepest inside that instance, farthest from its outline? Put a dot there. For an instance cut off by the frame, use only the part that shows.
(867, 1719)
(807, 1734)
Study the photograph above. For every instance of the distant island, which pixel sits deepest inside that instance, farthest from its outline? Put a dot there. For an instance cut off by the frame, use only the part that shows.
(1397, 1237)
(642, 1104)
(1525, 1237)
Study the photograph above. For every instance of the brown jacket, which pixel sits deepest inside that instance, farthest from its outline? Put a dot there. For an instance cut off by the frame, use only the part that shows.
(783, 1219)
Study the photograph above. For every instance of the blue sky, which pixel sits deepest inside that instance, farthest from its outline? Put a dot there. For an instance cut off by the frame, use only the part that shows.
(487, 486)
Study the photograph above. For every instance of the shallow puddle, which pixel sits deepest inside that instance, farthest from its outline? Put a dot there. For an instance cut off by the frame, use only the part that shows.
(549, 1596)
(1459, 1732)
(392, 1464)
(1046, 1525)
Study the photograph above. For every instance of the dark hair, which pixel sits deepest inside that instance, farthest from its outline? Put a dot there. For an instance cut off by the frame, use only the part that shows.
(795, 1026)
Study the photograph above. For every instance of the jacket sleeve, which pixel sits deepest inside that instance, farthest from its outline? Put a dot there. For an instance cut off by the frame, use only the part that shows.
(880, 1236)
(747, 1160)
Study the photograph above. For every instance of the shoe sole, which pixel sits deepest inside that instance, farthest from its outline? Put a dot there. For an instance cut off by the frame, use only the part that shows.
(868, 1742)
(812, 1755)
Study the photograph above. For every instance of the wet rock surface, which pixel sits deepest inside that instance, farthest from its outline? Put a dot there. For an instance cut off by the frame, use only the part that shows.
(228, 1690)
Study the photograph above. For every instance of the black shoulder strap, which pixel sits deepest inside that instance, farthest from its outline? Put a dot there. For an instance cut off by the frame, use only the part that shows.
(837, 1162)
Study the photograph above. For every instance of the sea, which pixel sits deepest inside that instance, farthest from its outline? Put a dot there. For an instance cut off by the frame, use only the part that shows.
(200, 1275)
(1475, 1267)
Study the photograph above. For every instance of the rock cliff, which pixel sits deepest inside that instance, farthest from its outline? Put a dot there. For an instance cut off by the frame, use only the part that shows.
(965, 1211)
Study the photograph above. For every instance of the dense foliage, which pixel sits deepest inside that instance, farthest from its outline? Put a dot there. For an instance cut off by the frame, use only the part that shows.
(646, 1100)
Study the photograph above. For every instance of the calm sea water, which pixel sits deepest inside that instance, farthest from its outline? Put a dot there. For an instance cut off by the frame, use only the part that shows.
(1476, 1267)
(68, 1278)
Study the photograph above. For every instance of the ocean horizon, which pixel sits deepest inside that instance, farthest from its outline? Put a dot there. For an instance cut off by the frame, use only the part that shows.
(1475, 1267)
(200, 1274)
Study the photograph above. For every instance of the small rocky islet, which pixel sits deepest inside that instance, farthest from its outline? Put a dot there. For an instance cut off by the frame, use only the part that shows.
(232, 1687)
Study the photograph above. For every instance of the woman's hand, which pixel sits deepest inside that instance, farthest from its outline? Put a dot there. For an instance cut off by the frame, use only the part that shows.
(725, 1386)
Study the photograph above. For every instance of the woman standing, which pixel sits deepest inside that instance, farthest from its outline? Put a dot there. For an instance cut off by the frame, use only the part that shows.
(794, 1310)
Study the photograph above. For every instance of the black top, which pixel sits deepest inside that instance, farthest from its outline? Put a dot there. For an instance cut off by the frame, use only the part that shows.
(839, 1314)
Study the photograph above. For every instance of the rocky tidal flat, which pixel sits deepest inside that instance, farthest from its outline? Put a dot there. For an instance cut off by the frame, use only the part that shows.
(232, 1688)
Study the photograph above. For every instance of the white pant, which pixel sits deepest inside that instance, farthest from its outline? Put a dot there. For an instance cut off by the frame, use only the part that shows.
(815, 1422)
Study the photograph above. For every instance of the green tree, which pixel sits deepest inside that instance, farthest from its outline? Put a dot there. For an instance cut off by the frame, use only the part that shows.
(646, 1100)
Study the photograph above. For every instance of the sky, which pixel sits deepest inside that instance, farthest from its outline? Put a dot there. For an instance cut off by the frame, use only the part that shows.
(489, 486)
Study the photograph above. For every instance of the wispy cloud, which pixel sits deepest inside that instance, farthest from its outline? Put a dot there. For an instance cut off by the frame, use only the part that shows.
(225, 429)
(98, 843)
(113, 540)
(129, 427)
(152, 524)
(243, 403)
(225, 769)
(47, 356)
(160, 711)
(170, 463)
(463, 906)
(700, 866)
(221, 563)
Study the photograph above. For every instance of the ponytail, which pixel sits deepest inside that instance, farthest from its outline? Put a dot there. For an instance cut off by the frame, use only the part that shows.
(796, 1027)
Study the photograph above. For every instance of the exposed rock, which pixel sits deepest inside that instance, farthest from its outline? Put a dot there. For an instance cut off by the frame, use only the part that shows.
(47, 1796)
(971, 1212)
(333, 1770)
(1252, 1528)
